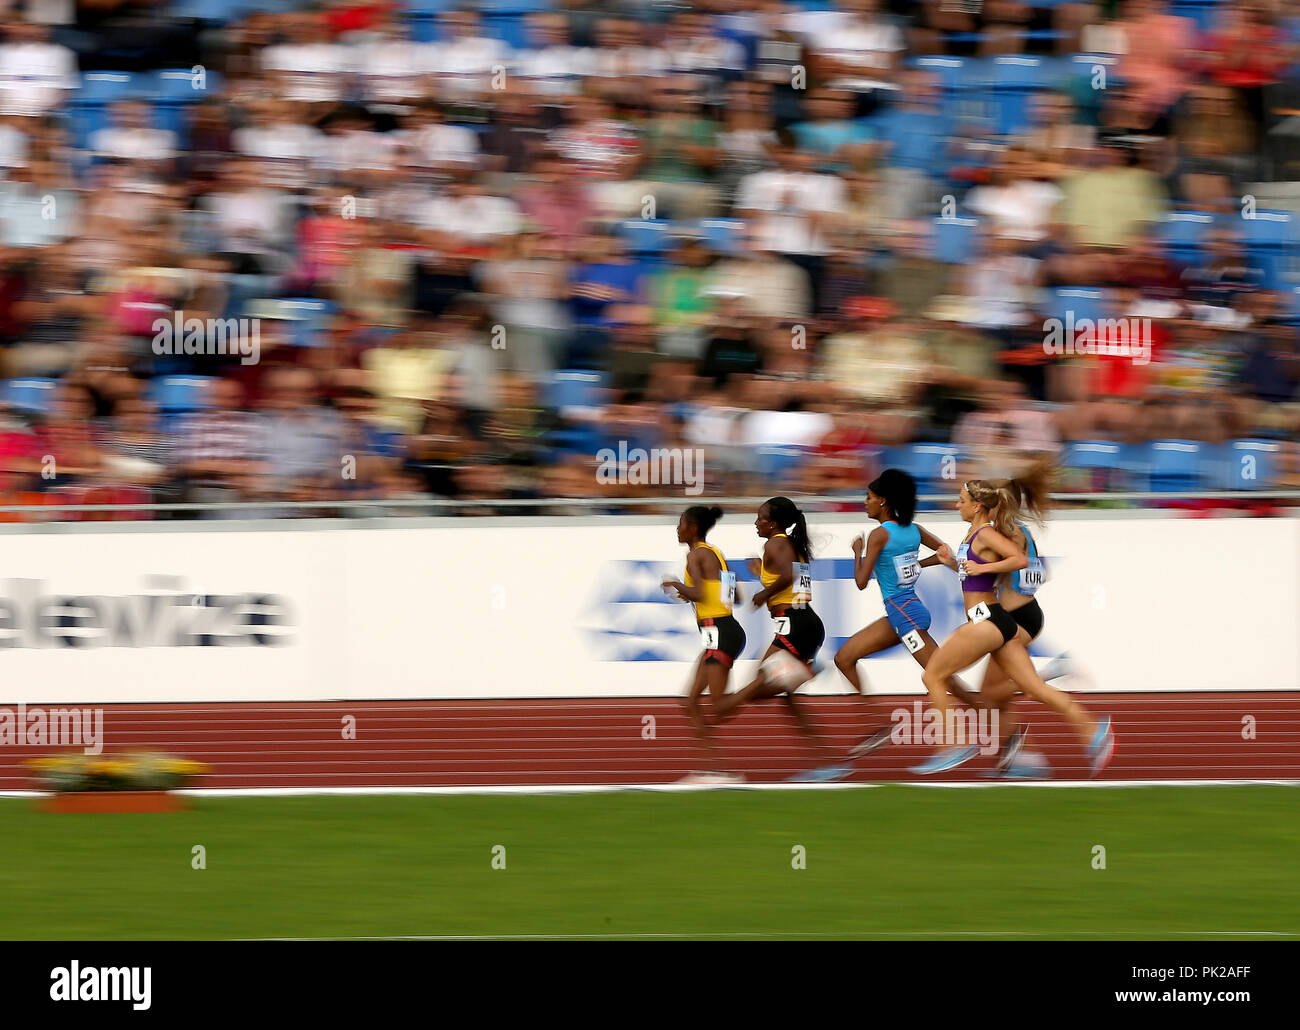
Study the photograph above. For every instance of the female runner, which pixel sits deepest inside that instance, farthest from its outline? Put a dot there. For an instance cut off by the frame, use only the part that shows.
(711, 587)
(785, 571)
(1023, 500)
(985, 554)
(892, 553)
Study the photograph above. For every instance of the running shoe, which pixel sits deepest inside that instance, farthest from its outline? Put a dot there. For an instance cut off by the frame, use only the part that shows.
(1057, 668)
(945, 760)
(1028, 765)
(1014, 743)
(872, 743)
(1102, 748)
(824, 774)
(711, 779)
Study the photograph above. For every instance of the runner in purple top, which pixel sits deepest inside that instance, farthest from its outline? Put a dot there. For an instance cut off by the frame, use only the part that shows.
(986, 554)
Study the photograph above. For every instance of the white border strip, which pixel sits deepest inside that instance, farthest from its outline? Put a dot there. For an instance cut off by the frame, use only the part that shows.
(667, 788)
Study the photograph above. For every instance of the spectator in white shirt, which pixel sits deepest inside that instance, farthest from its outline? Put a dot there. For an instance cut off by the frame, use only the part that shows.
(430, 143)
(465, 61)
(552, 64)
(793, 208)
(285, 147)
(468, 213)
(35, 74)
(149, 152)
(393, 69)
(308, 69)
(1018, 206)
(859, 50)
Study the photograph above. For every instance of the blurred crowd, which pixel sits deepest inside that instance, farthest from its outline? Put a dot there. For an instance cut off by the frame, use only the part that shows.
(481, 245)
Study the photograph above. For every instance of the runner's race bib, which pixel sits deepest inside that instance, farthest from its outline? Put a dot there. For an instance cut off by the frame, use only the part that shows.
(979, 613)
(1032, 577)
(907, 567)
(709, 634)
(727, 589)
(802, 584)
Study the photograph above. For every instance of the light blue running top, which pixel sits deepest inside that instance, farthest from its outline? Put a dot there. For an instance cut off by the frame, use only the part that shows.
(1027, 580)
(899, 565)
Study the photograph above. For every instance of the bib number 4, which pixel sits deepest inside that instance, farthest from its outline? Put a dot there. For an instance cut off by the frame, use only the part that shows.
(979, 612)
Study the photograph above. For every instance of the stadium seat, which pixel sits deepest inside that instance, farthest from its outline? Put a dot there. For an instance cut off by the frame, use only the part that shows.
(778, 462)
(510, 27)
(1173, 466)
(647, 235)
(932, 465)
(1077, 303)
(1271, 240)
(1184, 232)
(1246, 465)
(1204, 12)
(1106, 464)
(35, 396)
(575, 388)
(1010, 81)
(721, 234)
(179, 394)
(954, 239)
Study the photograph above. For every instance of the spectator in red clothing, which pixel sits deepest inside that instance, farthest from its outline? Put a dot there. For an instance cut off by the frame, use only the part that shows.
(1247, 52)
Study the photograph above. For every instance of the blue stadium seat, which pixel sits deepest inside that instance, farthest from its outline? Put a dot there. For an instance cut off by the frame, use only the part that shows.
(308, 318)
(1173, 466)
(177, 394)
(432, 6)
(107, 87)
(1246, 465)
(32, 395)
(1184, 232)
(953, 72)
(721, 234)
(508, 26)
(1010, 82)
(514, 6)
(575, 388)
(1080, 301)
(932, 465)
(1108, 464)
(183, 85)
(1204, 12)
(1272, 241)
(777, 462)
(954, 239)
(647, 235)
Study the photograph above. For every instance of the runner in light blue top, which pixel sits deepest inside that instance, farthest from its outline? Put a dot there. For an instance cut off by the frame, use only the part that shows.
(892, 553)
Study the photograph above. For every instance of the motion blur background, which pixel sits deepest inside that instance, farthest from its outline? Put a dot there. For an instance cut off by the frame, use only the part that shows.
(486, 241)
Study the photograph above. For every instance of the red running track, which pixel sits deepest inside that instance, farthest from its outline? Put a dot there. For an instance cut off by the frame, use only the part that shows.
(607, 741)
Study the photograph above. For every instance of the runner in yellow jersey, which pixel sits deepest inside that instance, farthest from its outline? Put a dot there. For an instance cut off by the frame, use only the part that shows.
(711, 587)
(785, 571)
